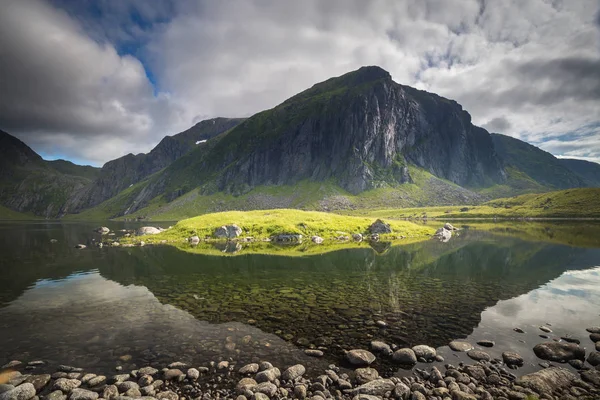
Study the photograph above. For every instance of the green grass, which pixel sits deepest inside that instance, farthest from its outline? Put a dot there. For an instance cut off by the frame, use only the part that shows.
(570, 203)
(6, 214)
(264, 224)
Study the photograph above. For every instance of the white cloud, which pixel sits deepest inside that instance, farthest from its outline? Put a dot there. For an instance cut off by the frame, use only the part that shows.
(526, 68)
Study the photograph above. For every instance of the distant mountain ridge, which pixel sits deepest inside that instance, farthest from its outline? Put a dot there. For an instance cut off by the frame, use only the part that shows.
(347, 136)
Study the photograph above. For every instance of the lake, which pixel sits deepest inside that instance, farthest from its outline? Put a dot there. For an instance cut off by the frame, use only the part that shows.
(98, 308)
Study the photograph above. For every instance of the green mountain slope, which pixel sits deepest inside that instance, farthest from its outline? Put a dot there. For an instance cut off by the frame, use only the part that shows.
(542, 167)
(68, 168)
(588, 171)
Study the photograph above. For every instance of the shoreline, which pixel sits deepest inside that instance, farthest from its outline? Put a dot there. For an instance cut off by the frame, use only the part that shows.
(484, 379)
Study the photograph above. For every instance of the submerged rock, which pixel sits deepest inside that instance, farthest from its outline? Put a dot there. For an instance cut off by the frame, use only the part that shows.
(486, 343)
(426, 352)
(594, 358)
(479, 355)
(457, 345)
(511, 358)
(360, 357)
(559, 351)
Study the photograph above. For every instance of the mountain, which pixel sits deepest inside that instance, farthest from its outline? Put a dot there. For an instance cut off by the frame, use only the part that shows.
(588, 171)
(359, 140)
(542, 167)
(358, 132)
(119, 174)
(30, 184)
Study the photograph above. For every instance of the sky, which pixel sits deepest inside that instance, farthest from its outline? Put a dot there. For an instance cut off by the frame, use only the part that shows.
(93, 80)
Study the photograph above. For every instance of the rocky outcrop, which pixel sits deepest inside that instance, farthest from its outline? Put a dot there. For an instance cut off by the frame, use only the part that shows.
(120, 174)
(547, 380)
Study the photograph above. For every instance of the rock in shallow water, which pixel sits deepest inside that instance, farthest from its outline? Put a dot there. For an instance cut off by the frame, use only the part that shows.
(559, 352)
(511, 358)
(594, 329)
(457, 345)
(405, 356)
(423, 351)
(38, 381)
(360, 357)
(313, 353)
(594, 358)
(479, 355)
(25, 391)
(486, 343)
(381, 347)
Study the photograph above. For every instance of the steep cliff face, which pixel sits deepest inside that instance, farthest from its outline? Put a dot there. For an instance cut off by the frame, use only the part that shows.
(360, 131)
(30, 184)
(119, 174)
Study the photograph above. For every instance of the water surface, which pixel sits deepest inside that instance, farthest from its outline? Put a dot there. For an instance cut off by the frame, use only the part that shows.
(99, 308)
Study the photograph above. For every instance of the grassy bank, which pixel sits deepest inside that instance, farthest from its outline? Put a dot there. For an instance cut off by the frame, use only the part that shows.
(264, 224)
(6, 214)
(571, 203)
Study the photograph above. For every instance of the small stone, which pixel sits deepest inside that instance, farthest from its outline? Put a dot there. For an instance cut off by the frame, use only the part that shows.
(357, 237)
(147, 371)
(145, 380)
(167, 395)
(377, 387)
(110, 392)
(172, 374)
(479, 355)
(83, 394)
(245, 384)
(260, 396)
(38, 381)
(178, 365)
(293, 372)
(486, 343)
(125, 386)
(511, 358)
(594, 358)
(193, 374)
(313, 353)
(24, 391)
(595, 337)
(593, 329)
(364, 375)
(401, 391)
(518, 330)
(317, 239)
(423, 351)
(133, 392)
(381, 347)
(120, 378)
(460, 395)
(267, 388)
(269, 375)
(11, 364)
(544, 328)
(66, 385)
(360, 357)
(300, 391)
(148, 390)
(249, 369)
(56, 395)
(457, 345)
(577, 364)
(404, 356)
(223, 365)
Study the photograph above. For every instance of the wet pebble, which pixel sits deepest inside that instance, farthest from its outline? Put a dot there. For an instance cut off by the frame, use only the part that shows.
(457, 345)
(486, 343)
(360, 357)
(479, 355)
(313, 353)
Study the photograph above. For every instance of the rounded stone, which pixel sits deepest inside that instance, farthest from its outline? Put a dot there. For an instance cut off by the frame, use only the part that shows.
(512, 359)
(479, 355)
(594, 329)
(426, 352)
(293, 372)
(381, 347)
(404, 356)
(595, 337)
(193, 374)
(24, 391)
(594, 358)
(360, 357)
(313, 353)
(249, 369)
(364, 375)
(486, 343)
(245, 384)
(559, 351)
(457, 345)
(82, 394)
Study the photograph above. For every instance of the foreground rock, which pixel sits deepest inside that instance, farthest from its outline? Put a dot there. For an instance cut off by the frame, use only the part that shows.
(25, 391)
(360, 357)
(559, 352)
(228, 232)
(547, 380)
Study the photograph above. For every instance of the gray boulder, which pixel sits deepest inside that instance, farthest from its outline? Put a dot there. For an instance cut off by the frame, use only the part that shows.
(25, 391)
(82, 394)
(547, 380)
(293, 372)
(66, 385)
(287, 238)
(377, 387)
(423, 351)
(457, 345)
(443, 235)
(357, 237)
(380, 227)
(102, 230)
(381, 347)
(364, 375)
(360, 357)
(511, 358)
(559, 351)
(228, 231)
(148, 230)
(405, 356)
